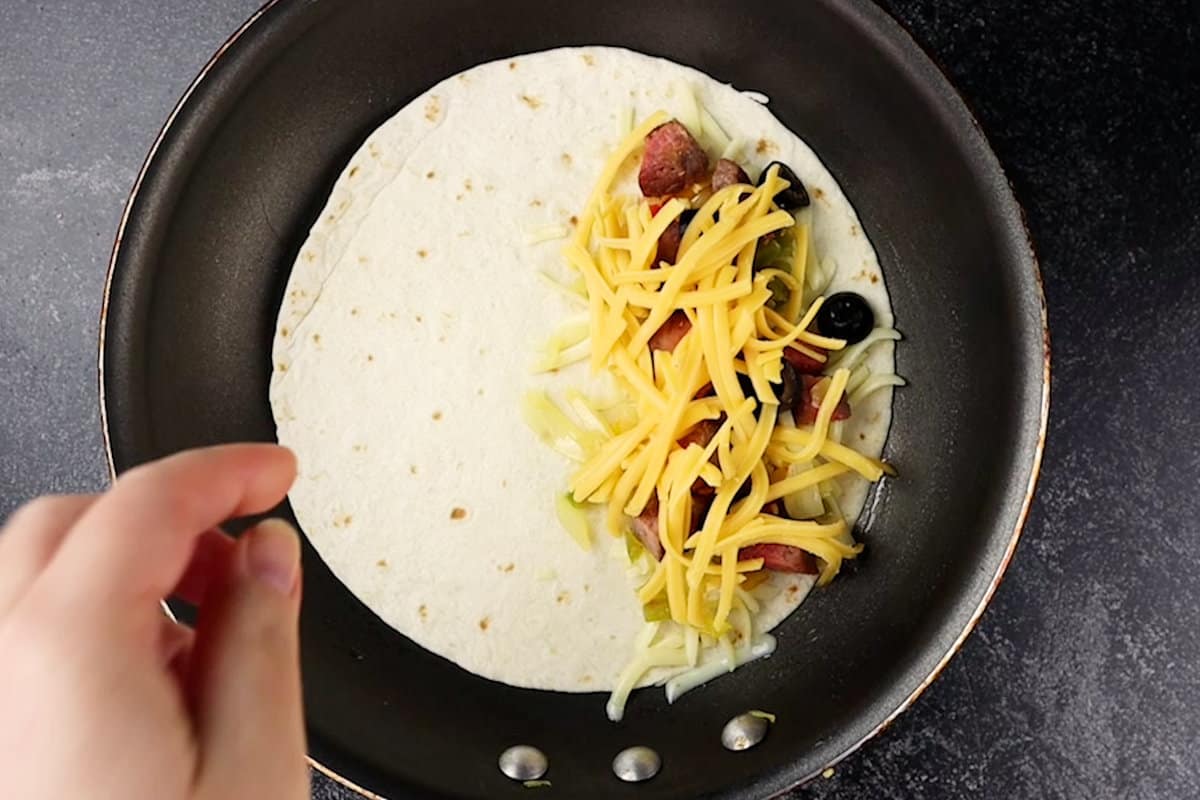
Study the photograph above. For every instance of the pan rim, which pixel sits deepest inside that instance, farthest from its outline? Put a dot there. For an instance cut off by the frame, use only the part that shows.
(869, 15)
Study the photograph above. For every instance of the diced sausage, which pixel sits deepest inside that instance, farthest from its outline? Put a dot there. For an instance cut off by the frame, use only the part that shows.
(701, 434)
(671, 332)
(727, 173)
(673, 161)
(672, 237)
(668, 243)
(781, 558)
(700, 506)
(645, 528)
(806, 408)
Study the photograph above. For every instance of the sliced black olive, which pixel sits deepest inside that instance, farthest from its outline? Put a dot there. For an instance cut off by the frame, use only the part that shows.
(685, 218)
(748, 390)
(790, 388)
(793, 197)
(846, 315)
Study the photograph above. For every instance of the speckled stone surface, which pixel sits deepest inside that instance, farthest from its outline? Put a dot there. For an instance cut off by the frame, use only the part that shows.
(1083, 679)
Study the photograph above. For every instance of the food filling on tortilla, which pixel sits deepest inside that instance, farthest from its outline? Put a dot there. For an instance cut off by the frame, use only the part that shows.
(714, 368)
(717, 452)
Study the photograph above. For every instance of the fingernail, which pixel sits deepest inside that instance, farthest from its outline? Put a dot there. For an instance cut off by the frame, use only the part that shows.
(273, 555)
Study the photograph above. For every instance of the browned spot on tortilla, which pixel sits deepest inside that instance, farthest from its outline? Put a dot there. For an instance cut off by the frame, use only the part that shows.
(504, 483)
(281, 367)
(792, 591)
(854, 230)
(586, 679)
(535, 203)
(358, 448)
(509, 567)
(413, 469)
(862, 436)
(354, 311)
(433, 108)
(468, 185)
(316, 338)
(566, 159)
(343, 521)
(437, 415)
(587, 587)
(531, 101)
(764, 146)
(283, 332)
(479, 391)
(574, 220)
(370, 357)
(420, 318)
(431, 174)
(817, 193)
(588, 59)
(484, 623)
(353, 171)
(458, 197)
(422, 611)
(874, 279)
(362, 259)
(512, 65)
(381, 563)
(563, 597)
(309, 256)
(441, 340)
(487, 187)
(458, 513)
(423, 253)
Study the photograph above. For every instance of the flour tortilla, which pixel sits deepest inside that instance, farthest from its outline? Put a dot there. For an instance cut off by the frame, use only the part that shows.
(405, 341)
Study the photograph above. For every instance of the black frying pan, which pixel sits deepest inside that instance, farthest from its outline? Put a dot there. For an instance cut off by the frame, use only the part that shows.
(245, 163)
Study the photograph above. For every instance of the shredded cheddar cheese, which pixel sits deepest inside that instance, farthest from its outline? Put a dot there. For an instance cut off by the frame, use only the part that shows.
(724, 371)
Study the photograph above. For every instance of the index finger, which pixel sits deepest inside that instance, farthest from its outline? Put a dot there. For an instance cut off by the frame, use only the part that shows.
(136, 540)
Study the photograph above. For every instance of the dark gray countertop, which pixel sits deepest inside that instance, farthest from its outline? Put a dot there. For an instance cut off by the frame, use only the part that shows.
(1083, 680)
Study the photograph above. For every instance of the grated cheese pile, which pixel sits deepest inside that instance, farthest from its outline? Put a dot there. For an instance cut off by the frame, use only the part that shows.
(627, 453)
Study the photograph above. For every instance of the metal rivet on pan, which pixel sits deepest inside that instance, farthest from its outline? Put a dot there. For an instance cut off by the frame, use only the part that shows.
(744, 731)
(635, 764)
(523, 763)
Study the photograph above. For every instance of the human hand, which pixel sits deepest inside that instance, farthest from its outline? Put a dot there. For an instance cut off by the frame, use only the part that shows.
(102, 696)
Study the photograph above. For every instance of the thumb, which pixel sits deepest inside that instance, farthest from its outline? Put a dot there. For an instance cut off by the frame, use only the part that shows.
(246, 679)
